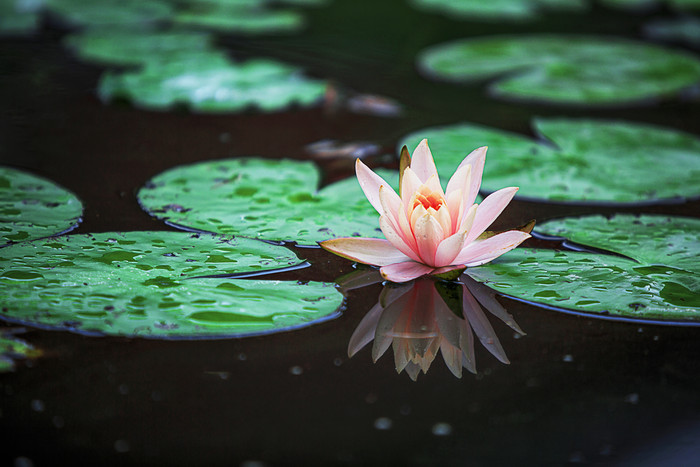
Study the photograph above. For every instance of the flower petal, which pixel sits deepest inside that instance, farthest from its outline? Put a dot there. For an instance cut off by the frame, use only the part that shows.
(370, 183)
(404, 272)
(477, 159)
(449, 248)
(483, 251)
(374, 251)
(422, 162)
(429, 234)
(410, 183)
(364, 333)
(489, 210)
(396, 239)
(481, 326)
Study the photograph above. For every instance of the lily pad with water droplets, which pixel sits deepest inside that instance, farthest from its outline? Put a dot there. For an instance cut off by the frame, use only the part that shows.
(658, 278)
(205, 82)
(32, 207)
(562, 69)
(498, 10)
(155, 284)
(125, 46)
(111, 12)
(266, 199)
(591, 161)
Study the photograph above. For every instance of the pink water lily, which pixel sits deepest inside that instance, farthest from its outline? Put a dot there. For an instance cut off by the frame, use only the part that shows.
(428, 230)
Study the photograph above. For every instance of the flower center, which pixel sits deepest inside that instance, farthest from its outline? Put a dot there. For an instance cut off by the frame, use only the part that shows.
(429, 199)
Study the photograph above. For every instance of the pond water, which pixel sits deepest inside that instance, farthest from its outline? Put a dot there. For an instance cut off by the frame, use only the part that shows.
(567, 389)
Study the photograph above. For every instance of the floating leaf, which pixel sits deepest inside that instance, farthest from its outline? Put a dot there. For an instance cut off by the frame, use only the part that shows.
(110, 12)
(19, 17)
(207, 83)
(581, 160)
(150, 284)
(658, 279)
(564, 69)
(13, 349)
(129, 47)
(32, 207)
(265, 199)
(241, 20)
(498, 10)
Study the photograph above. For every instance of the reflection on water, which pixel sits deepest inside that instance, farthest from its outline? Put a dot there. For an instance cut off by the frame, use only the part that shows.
(420, 318)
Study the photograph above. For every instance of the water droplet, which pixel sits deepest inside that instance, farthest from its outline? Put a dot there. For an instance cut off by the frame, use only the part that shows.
(383, 423)
(442, 429)
(296, 370)
(337, 361)
(568, 358)
(37, 405)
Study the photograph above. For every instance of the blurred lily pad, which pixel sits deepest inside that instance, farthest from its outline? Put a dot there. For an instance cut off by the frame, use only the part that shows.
(562, 69)
(32, 207)
(19, 17)
(240, 19)
(205, 82)
(648, 4)
(658, 278)
(13, 349)
(577, 160)
(110, 12)
(155, 284)
(265, 199)
(499, 10)
(125, 46)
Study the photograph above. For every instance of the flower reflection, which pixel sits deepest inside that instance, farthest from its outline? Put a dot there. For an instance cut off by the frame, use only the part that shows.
(417, 320)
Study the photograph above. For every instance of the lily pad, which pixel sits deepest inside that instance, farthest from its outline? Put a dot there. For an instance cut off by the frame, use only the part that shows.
(19, 17)
(658, 278)
(32, 207)
(241, 20)
(647, 4)
(562, 69)
(111, 12)
(208, 83)
(499, 10)
(157, 284)
(13, 349)
(128, 47)
(265, 199)
(577, 160)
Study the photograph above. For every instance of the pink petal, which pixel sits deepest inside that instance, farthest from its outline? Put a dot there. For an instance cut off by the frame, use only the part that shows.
(429, 234)
(364, 333)
(489, 210)
(396, 239)
(449, 248)
(460, 180)
(374, 251)
(404, 272)
(483, 251)
(370, 183)
(422, 162)
(477, 159)
(409, 185)
(481, 326)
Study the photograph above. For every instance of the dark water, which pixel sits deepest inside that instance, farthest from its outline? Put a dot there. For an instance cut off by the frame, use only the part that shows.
(577, 389)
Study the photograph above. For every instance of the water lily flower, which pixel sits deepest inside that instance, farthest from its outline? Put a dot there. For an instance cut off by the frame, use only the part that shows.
(428, 230)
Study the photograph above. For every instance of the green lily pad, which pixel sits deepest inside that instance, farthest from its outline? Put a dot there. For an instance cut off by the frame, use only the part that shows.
(658, 279)
(206, 82)
(13, 349)
(562, 69)
(261, 198)
(32, 207)
(241, 20)
(156, 284)
(499, 10)
(576, 160)
(110, 12)
(129, 47)
(19, 17)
